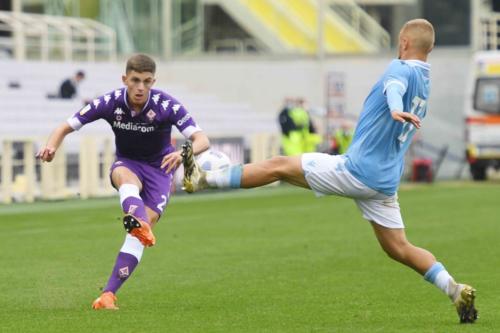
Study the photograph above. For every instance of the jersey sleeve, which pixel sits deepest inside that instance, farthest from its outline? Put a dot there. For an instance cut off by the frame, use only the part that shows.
(183, 120)
(397, 74)
(91, 112)
(394, 93)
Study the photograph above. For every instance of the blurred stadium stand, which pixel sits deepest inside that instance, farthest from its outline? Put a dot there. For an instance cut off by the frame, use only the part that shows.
(28, 106)
(35, 36)
(231, 62)
(292, 26)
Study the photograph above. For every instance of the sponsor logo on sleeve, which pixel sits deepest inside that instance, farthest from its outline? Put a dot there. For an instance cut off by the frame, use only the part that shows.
(165, 104)
(184, 119)
(107, 98)
(96, 102)
(176, 108)
(118, 93)
(85, 110)
(156, 98)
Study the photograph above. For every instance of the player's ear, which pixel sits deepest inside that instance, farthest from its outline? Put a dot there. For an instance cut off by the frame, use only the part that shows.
(405, 41)
(124, 79)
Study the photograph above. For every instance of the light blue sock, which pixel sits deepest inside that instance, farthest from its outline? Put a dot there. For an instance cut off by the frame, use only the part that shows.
(236, 171)
(229, 177)
(439, 276)
(433, 272)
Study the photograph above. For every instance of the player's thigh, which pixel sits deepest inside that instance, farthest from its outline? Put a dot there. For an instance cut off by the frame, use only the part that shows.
(328, 175)
(156, 189)
(123, 175)
(290, 170)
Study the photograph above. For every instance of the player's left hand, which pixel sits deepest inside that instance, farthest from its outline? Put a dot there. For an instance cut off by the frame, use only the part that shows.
(171, 161)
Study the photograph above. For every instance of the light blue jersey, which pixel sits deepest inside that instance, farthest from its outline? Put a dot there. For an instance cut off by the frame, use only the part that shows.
(376, 155)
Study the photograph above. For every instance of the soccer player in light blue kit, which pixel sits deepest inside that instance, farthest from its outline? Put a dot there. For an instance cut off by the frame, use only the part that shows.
(371, 169)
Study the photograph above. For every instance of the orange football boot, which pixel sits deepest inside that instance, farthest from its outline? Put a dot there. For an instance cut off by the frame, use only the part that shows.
(139, 229)
(105, 302)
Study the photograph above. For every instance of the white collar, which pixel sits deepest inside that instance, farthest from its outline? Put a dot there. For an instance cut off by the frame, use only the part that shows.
(126, 102)
(418, 63)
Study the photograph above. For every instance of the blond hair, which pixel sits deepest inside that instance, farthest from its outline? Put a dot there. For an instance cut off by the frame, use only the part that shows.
(420, 33)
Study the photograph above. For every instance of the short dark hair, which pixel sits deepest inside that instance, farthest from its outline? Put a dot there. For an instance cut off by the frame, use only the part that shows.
(140, 63)
(80, 73)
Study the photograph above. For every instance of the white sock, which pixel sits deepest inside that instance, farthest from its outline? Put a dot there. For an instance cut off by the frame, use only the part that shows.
(128, 190)
(440, 277)
(445, 282)
(132, 246)
(229, 177)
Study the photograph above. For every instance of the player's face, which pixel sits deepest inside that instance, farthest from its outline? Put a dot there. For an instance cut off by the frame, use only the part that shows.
(138, 86)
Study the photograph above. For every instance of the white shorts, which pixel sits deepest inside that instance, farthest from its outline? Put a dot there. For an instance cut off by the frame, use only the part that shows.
(327, 175)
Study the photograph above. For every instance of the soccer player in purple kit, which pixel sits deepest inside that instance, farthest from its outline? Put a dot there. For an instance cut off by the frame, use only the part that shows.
(141, 119)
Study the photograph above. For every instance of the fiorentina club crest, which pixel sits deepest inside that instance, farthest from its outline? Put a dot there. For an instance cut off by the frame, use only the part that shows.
(123, 272)
(151, 115)
(132, 209)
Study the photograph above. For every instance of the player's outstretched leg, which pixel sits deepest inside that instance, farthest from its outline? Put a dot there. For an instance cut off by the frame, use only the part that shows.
(395, 244)
(250, 175)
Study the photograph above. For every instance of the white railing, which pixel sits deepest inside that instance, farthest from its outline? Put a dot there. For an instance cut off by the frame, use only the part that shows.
(46, 37)
(361, 22)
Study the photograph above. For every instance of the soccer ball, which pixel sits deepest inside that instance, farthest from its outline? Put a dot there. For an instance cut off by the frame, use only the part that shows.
(213, 160)
(209, 160)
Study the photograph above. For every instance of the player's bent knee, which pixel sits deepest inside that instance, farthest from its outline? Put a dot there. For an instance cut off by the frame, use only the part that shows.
(284, 166)
(397, 250)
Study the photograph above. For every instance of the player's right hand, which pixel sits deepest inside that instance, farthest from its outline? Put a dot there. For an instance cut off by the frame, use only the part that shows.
(406, 117)
(46, 154)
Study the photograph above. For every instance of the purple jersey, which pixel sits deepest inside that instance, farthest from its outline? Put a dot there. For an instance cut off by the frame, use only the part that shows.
(145, 136)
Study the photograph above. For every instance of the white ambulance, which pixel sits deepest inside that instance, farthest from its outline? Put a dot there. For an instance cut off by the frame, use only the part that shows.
(482, 122)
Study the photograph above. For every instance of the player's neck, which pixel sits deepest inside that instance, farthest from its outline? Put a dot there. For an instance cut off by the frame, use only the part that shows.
(137, 108)
(414, 56)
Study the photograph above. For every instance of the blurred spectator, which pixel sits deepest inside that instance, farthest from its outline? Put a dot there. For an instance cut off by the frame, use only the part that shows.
(298, 132)
(287, 126)
(284, 119)
(341, 139)
(68, 88)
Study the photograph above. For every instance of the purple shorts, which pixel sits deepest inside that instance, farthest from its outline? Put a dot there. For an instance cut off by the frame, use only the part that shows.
(156, 184)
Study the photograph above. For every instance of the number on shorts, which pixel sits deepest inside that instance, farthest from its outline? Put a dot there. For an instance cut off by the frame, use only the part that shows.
(161, 205)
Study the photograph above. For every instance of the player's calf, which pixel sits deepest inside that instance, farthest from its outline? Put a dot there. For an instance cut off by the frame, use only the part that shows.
(139, 229)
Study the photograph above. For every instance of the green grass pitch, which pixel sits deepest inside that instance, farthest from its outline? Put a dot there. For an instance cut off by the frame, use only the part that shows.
(267, 260)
